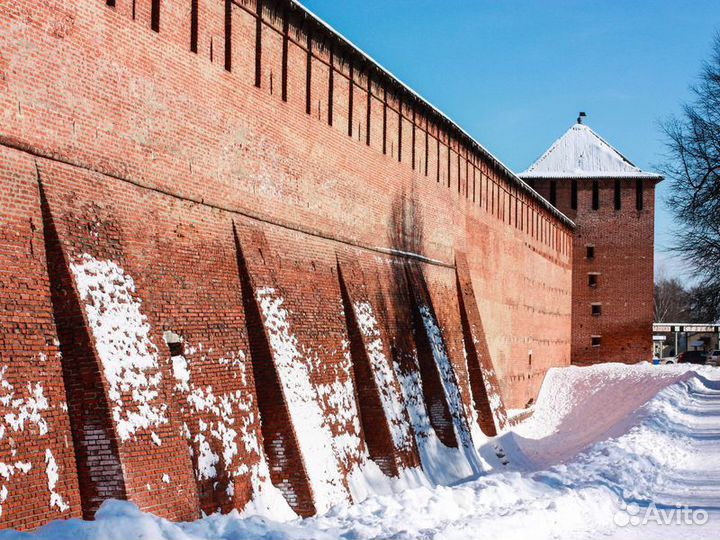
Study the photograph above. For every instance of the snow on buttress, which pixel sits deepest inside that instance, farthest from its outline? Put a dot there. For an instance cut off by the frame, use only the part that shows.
(122, 340)
(441, 465)
(341, 411)
(384, 379)
(650, 436)
(228, 419)
(449, 382)
(51, 470)
(313, 434)
(579, 153)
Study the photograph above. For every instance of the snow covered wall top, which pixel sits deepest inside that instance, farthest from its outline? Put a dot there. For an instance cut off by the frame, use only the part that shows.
(582, 153)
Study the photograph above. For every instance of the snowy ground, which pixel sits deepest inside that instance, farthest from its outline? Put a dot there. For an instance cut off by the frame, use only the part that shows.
(611, 451)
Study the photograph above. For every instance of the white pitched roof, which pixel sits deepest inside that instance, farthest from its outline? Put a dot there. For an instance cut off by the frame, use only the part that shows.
(582, 153)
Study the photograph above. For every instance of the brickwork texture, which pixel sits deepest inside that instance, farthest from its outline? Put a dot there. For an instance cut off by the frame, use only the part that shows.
(228, 240)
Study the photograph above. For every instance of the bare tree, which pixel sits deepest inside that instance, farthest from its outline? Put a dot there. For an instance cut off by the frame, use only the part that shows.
(693, 167)
(672, 301)
(704, 302)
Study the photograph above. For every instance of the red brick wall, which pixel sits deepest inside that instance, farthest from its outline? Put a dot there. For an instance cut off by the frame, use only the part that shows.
(624, 244)
(31, 362)
(151, 155)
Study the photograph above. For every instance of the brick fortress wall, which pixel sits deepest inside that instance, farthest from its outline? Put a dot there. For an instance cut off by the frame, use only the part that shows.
(228, 263)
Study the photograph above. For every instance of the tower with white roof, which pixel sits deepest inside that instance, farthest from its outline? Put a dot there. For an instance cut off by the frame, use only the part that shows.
(612, 202)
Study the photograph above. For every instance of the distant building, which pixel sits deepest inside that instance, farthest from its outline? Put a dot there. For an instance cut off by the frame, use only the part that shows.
(613, 205)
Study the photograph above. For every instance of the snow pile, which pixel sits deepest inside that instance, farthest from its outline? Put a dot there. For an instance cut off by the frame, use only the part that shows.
(657, 444)
(578, 406)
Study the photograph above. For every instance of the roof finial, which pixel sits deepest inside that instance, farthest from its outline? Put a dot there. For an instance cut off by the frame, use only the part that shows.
(580, 117)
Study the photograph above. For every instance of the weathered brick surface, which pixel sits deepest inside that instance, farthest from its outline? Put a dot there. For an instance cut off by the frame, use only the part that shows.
(33, 404)
(623, 262)
(386, 423)
(483, 381)
(209, 185)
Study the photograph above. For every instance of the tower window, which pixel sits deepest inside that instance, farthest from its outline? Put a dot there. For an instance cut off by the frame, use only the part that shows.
(595, 341)
(639, 194)
(553, 193)
(589, 252)
(155, 15)
(573, 195)
(595, 195)
(592, 280)
(618, 201)
(596, 310)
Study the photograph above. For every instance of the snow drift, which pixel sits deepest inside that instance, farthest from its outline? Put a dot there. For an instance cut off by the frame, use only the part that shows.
(602, 439)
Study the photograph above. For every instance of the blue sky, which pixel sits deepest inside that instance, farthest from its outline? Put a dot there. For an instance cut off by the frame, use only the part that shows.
(515, 73)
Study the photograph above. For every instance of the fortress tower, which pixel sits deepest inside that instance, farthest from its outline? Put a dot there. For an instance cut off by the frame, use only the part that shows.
(612, 203)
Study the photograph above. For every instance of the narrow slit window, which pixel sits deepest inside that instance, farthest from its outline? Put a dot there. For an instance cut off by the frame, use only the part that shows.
(384, 117)
(592, 280)
(595, 195)
(193, 26)
(331, 86)
(351, 85)
(368, 112)
(639, 194)
(596, 310)
(427, 148)
(589, 252)
(573, 194)
(155, 15)
(399, 133)
(595, 341)
(228, 42)
(553, 193)
(258, 43)
(308, 81)
(618, 192)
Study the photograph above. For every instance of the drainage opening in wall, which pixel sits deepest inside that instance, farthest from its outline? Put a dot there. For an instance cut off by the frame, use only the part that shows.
(174, 343)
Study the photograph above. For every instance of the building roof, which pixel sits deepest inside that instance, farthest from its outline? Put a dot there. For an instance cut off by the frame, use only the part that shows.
(582, 153)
